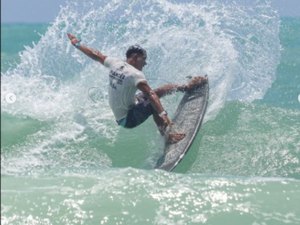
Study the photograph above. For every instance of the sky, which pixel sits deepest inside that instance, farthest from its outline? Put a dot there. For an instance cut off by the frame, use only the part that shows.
(41, 11)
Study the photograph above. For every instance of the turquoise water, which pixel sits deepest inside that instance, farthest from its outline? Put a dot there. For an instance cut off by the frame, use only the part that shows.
(64, 160)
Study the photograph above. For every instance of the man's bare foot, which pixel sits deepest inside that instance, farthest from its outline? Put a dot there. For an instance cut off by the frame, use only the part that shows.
(196, 82)
(175, 137)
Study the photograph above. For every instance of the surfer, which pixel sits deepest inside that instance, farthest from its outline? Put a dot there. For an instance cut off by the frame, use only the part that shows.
(125, 78)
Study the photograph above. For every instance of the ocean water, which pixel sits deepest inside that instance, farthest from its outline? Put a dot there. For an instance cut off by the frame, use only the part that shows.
(65, 161)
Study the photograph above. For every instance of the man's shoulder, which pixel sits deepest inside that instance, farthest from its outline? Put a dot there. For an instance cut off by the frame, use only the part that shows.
(111, 61)
(138, 76)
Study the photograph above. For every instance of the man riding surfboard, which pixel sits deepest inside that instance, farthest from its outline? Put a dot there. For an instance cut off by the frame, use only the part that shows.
(125, 78)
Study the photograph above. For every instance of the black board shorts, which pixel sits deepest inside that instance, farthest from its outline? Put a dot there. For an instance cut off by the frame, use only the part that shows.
(139, 112)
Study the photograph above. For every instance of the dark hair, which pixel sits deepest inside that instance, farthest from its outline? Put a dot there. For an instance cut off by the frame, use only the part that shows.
(135, 49)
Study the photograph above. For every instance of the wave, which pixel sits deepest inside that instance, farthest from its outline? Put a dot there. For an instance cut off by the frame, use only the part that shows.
(237, 46)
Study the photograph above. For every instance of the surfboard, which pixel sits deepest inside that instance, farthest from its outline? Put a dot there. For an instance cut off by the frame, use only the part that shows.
(187, 119)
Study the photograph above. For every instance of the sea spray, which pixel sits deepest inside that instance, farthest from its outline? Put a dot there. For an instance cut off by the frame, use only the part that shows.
(237, 46)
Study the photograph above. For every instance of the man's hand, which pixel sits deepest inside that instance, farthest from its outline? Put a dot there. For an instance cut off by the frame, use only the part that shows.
(73, 39)
(92, 53)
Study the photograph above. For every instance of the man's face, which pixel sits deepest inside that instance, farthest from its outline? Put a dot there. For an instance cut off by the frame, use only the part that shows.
(141, 61)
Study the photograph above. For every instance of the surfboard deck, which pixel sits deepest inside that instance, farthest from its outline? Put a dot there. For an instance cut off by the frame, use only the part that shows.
(187, 119)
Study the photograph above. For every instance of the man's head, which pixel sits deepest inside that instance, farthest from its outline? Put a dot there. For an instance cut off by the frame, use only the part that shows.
(136, 56)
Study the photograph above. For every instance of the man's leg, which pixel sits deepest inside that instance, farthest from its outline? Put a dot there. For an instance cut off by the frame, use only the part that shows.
(168, 89)
(171, 88)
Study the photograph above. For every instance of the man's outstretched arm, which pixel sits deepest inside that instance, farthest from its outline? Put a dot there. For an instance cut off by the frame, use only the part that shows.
(94, 54)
